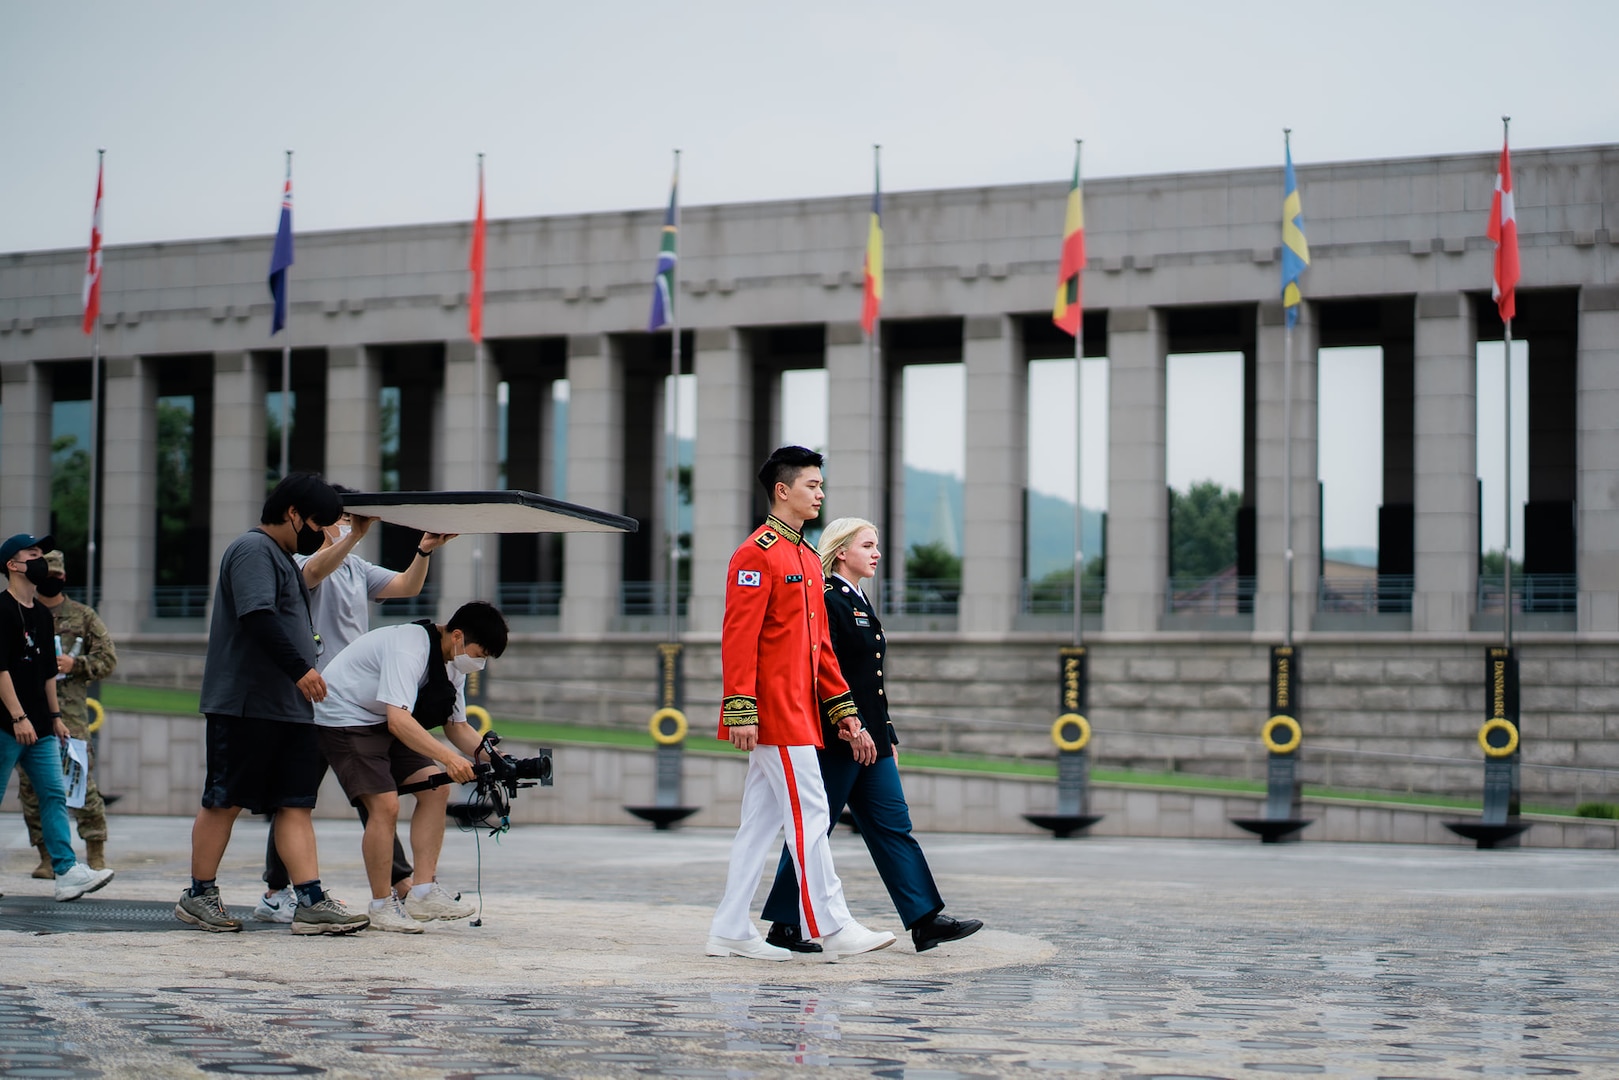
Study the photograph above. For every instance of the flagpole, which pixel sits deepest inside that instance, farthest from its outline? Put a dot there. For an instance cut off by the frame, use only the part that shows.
(1506, 546)
(874, 360)
(286, 365)
(672, 441)
(1287, 449)
(480, 433)
(1079, 458)
(95, 432)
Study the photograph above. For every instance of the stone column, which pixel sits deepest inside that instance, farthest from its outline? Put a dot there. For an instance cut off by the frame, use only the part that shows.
(1445, 464)
(25, 453)
(997, 468)
(237, 477)
(1137, 543)
(1597, 458)
(467, 569)
(354, 425)
(723, 485)
(854, 486)
(129, 494)
(1270, 611)
(592, 563)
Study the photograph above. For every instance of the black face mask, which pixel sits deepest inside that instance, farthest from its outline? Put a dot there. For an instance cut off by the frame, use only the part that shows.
(38, 571)
(50, 587)
(310, 538)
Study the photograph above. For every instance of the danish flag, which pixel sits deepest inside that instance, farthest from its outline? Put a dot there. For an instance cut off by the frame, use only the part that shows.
(1503, 230)
(92, 266)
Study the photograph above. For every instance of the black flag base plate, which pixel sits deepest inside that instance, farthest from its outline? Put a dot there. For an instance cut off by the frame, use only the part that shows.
(1273, 830)
(663, 816)
(1504, 834)
(1063, 826)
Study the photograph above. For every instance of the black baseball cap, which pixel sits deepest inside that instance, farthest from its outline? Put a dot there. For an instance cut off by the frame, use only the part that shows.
(23, 541)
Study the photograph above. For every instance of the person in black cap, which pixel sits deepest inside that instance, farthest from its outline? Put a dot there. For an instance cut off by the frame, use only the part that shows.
(34, 731)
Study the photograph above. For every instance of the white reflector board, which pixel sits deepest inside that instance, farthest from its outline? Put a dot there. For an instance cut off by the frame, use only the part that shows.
(468, 512)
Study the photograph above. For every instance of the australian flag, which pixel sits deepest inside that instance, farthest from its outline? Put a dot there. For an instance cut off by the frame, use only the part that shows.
(663, 284)
(281, 257)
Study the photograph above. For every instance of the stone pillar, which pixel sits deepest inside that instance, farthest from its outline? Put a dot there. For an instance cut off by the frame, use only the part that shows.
(723, 485)
(1137, 543)
(854, 484)
(1445, 464)
(237, 477)
(354, 426)
(468, 460)
(1597, 455)
(1270, 611)
(25, 453)
(997, 468)
(592, 562)
(129, 494)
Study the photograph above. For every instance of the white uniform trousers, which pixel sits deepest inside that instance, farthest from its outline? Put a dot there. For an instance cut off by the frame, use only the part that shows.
(783, 792)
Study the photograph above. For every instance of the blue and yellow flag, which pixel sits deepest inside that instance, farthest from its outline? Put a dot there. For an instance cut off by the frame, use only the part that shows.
(663, 282)
(1295, 249)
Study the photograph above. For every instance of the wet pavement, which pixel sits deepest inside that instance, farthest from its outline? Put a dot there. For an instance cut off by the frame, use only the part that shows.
(1127, 958)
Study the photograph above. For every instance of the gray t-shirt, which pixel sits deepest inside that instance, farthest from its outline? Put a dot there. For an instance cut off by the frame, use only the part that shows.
(239, 678)
(339, 603)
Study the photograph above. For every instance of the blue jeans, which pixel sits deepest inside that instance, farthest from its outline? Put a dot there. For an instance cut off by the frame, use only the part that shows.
(43, 764)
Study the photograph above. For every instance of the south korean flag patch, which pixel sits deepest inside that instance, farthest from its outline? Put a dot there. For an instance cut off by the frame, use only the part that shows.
(747, 577)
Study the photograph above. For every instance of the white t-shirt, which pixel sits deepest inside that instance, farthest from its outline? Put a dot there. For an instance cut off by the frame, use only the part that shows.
(384, 667)
(338, 604)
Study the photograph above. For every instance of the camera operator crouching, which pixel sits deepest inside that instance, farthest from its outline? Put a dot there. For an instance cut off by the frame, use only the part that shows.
(385, 692)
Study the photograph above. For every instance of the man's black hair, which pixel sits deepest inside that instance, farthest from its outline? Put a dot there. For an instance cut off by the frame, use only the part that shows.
(344, 489)
(314, 499)
(783, 466)
(482, 624)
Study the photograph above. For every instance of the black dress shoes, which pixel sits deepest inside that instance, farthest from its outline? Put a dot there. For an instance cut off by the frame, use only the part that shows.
(786, 936)
(937, 929)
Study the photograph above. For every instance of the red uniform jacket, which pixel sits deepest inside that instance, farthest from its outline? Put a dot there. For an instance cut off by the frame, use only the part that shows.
(779, 668)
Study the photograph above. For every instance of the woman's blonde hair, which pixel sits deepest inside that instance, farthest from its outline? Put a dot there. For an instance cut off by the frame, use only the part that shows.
(837, 536)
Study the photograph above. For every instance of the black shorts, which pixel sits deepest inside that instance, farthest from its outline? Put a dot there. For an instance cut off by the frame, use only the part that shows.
(261, 765)
(368, 760)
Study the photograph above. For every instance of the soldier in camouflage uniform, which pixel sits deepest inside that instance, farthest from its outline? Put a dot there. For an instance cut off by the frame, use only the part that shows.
(85, 655)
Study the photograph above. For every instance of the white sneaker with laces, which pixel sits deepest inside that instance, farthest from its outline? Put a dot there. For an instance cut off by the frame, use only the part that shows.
(438, 904)
(852, 939)
(391, 916)
(277, 907)
(754, 948)
(78, 881)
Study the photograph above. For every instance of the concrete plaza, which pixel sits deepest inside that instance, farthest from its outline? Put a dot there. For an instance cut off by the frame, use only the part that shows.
(1126, 957)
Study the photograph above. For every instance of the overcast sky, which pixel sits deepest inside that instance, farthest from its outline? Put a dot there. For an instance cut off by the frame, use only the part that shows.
(578, 105)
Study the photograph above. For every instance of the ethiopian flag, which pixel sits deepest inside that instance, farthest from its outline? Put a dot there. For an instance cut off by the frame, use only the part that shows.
(1066, 312)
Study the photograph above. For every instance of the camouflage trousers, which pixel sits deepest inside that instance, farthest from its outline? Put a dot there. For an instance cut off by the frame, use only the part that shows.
(92, 819)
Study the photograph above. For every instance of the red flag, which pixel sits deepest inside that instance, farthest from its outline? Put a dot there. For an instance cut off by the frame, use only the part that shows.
(92, 266)
(475, 264)
(1503, 230)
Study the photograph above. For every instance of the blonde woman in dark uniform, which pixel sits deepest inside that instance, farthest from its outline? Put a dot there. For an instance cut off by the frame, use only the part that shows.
(849, 554)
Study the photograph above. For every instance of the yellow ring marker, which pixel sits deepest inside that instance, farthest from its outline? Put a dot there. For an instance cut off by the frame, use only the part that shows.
(480, 714)
(667, 738)
(101, 714)
(1295, 735)
(1081, 736)
(1493, 725)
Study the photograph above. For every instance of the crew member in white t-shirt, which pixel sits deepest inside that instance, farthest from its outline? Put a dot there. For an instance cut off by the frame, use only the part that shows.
(384, 693)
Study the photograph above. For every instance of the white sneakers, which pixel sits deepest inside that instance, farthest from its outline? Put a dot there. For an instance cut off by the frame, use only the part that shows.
(754, 948)
(78, 881)
(851, 939)
(391, 916)
(437, 904)
(277, 907)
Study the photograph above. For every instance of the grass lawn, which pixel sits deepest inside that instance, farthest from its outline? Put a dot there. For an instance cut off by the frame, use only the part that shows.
(121, 697)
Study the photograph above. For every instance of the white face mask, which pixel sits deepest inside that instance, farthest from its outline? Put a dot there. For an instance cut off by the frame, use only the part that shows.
(343, 532)
(465, 664)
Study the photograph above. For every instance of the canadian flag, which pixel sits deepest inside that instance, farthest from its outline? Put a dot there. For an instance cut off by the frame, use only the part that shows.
(1503, 230)
(92, 266)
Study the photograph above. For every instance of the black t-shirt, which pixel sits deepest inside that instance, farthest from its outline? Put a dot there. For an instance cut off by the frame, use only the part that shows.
(28, 652)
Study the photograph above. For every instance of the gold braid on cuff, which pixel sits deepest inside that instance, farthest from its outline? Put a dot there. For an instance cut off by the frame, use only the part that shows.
(739, 710)
(839, 708)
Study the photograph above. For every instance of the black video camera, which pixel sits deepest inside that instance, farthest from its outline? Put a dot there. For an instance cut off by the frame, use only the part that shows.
(496, 781)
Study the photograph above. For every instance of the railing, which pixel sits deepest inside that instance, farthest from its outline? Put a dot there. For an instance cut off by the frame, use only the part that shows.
(1057, 597)
(651, 597)
(179, 601)
(1531, 593)
(1224, 594)
(77, 592)
(925, 596)
(529, 597)
(1385, 594)
(423, 605)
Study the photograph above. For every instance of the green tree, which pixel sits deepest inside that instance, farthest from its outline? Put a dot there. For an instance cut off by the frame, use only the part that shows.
(70, 499)
(1490, 563)
(932, 562)
(1203, 529)
(174, 480)
(1055, 591)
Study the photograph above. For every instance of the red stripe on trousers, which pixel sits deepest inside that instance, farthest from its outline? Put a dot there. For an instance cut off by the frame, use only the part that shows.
(810, 929)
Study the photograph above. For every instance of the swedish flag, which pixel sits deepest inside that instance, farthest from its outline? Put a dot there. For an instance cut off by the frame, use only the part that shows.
(1295, 249)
